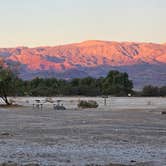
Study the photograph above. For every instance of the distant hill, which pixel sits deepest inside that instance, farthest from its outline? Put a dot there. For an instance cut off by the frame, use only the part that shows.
(144, 62)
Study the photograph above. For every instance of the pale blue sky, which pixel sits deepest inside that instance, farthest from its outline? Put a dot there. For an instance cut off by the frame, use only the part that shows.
(53, 22)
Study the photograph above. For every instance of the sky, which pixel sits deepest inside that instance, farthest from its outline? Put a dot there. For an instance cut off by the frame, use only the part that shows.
(54, 22)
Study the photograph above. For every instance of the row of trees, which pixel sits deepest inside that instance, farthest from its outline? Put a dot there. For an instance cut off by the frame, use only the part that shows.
(150, 90)
(115, 83)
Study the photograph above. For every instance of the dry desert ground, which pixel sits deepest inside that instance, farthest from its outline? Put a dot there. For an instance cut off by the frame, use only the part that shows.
(129, 131)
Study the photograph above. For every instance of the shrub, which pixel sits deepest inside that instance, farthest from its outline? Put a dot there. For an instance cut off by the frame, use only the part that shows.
(150, 90)
(49, 100)
(87, 104)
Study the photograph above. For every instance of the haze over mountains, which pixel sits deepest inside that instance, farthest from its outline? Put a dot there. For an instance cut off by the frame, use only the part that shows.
(144, 62)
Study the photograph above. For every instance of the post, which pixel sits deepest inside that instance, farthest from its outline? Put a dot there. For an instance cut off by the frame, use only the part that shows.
(105, 100)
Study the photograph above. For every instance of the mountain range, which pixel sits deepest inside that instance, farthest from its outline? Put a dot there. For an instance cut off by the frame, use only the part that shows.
(144, 62)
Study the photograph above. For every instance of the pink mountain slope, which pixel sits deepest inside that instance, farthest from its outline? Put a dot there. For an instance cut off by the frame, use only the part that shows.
(87, 55)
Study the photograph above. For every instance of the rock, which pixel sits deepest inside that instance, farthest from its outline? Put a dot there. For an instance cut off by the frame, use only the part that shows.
(59, 107)
(32, 164)
(133, 161)
(9, 163)
(163, 112)
(6, 134)
(68, 161)
(2, 143)
(108, 165)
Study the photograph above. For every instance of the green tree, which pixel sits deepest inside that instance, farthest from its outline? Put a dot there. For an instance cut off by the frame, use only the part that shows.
(87, 86)
(117, 83)
(150, 90)
(7, 84)
(162, 91)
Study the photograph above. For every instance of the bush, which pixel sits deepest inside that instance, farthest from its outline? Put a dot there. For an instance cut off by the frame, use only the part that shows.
(150, 90)
(87, 104)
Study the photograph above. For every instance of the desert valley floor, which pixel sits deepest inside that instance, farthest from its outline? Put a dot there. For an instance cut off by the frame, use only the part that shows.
(127, 131)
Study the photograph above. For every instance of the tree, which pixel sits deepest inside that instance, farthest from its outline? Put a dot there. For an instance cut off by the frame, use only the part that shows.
(87, 86)
(7, 84)
(117, 83)
(162, 91)
(150, 90)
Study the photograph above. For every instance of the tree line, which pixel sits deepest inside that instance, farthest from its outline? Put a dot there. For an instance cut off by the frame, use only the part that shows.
(115, 83)
(153, 91)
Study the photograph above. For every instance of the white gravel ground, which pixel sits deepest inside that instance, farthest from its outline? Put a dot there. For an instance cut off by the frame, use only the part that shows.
(127, 129)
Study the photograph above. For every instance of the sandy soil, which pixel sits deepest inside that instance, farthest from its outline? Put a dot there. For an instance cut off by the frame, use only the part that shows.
(126, 131)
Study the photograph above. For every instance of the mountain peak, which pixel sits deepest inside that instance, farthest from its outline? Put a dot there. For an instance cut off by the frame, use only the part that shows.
(93, 43)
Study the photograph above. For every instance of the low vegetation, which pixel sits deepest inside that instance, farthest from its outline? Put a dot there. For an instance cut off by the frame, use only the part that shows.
(87, 104)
